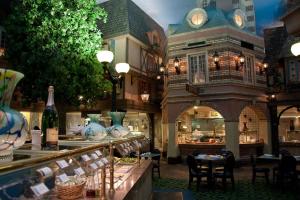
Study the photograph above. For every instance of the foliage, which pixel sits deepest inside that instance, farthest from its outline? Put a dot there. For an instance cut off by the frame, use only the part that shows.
(54, 42)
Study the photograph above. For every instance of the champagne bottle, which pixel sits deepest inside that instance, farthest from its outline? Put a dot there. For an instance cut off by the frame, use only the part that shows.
(50, 123)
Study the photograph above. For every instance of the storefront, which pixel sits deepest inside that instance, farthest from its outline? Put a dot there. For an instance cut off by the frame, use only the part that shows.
(289, 128)
(202, 128)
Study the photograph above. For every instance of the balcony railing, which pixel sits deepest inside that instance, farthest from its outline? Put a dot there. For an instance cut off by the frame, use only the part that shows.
(218, 77)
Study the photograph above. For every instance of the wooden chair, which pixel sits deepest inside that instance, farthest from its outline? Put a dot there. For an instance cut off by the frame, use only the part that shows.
(283, 152)
(227, 173)
(287, 170)
(156, 163)
(194, 171)
(201, 166)
(259, 171)
(224, 153)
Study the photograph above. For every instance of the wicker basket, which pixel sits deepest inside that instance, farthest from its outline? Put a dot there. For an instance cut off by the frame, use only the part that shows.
(70, 192)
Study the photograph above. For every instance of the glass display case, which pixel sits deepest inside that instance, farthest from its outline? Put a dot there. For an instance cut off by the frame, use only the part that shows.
(78, 169)
(201, 130)
(248, 137)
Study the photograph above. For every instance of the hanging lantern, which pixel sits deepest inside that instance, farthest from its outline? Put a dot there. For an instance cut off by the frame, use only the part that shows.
(145, 97)
(241, 59)
(216, 59)
(176, 64)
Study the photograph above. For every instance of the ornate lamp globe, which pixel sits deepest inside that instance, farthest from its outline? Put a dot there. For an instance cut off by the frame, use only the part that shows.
(105, 56)
(122, 68)
(145, 96)
(295, 49)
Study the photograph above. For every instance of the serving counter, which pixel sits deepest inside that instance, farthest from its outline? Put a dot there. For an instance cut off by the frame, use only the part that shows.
(292, 146)
(36, 174)
(246, 149)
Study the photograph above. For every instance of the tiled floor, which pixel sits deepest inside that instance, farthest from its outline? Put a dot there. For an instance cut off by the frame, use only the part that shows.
(180, 171)
(174, 179)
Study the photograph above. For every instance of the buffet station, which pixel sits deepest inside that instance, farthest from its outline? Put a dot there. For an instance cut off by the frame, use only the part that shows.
(88, 170)
(211, 142)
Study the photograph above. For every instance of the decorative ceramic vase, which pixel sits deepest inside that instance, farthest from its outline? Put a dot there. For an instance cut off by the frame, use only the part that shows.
(245, 128)
(13, 125)
(117, 130)
(94, 131)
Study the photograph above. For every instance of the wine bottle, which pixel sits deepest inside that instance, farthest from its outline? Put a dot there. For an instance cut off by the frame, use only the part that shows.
(50, 123)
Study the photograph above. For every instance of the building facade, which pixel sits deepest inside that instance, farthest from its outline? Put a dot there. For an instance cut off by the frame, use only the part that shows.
(284, 81)
(135, 38)
(214, 82)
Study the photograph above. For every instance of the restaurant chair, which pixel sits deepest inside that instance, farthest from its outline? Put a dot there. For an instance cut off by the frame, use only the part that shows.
(156, 162)
(201, 166)
(194, 171)
(282, 152)
(223, 153)
(227, 173)
(259, 171)
(287, 170)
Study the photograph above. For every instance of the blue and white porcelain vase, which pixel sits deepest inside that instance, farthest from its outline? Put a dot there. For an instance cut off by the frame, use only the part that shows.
(94, 131)
(117, 130)
(13, 125)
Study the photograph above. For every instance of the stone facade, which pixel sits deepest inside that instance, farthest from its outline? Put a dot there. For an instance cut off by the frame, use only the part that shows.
(228, 90)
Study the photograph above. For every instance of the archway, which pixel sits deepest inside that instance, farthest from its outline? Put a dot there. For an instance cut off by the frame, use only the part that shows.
(289, 123)
(200, 124)
(253, 129)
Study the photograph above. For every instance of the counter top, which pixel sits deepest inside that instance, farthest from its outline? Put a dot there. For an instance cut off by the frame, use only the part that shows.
(136, 174)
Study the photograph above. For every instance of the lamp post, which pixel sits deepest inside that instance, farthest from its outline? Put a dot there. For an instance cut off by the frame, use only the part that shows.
(115, 74)
(272, 104)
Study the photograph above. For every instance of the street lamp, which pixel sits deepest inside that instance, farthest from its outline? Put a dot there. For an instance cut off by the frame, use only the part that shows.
(105, 57)
(295, 49)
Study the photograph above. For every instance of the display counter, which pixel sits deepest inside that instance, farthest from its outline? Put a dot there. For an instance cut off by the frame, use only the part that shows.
(38, 174)
(209, 148)
(293, 147)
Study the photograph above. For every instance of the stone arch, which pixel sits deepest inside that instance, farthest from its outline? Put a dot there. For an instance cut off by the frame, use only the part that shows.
(260, 111)
(174, 110)
(253, 126)
(201, 123)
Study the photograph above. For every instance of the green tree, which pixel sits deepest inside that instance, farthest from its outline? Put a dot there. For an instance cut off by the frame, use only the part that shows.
(54, 42)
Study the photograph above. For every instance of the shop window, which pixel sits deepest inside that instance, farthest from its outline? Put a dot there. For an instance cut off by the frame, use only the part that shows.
(293, 71)
(197, 66)
(151, 64)
(248, 68)
(249, 8)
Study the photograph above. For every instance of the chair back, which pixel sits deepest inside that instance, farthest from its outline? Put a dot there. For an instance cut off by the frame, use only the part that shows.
(156, 158)
(288, 165)
(229, 163)
(253, 161)
(285, 152)
(197, 152)
(192, 163)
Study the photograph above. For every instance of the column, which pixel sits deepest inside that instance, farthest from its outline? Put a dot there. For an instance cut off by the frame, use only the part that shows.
(173, 150)
(232, 137)
(151, 130)
(265, 134)
(164, 139)
(274, 127)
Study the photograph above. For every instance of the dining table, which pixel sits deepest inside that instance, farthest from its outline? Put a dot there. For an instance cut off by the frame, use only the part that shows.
(211, 160)
(271, 157)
